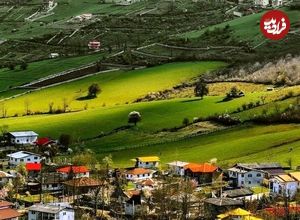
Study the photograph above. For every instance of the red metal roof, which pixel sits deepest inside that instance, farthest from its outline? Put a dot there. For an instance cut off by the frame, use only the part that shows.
(33, 166)
(75, 169)
(201, 168)
(43, 141)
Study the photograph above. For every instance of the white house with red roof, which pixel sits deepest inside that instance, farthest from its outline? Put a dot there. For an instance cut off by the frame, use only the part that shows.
(7, 212)
(138, 174)
(75, 171)
(16, 158)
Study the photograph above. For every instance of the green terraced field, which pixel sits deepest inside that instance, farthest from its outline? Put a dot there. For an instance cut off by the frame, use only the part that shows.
(36, 70)
(117, 87)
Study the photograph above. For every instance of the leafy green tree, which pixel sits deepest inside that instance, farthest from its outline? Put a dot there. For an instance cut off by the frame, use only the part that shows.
(186, 121)
(23, 66)
(201, 89)
(94, 90)
(134, 117)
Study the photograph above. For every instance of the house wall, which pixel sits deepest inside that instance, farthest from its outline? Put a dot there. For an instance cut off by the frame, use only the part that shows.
(139, 176)
(52, 187)
(33, 215)
(285, 188)
(62, 215)
(248, 179)
(77, 175)
(29, 159)
(177, 170)
(66, 215)
(23, 140)
(141, 164)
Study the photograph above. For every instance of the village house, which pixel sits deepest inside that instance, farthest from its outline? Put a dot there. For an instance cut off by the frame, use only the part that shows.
(147, 162)
(59, 211)
(44, 141)
(145, 184)
(134, 206)
(284, 185)
(252, 174)
(33, 169)
(22, 137)
(81, 185)
(177, 167)
(52, 182)
(296, 176)
(202, 173)
(5, 178)
(7, 212)
(138, 174)
(94, 45)
(73, 171)
(16, 158)
(215, 206)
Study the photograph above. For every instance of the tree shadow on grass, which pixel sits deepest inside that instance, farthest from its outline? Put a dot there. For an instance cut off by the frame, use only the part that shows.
(83, 98)
(191, 100)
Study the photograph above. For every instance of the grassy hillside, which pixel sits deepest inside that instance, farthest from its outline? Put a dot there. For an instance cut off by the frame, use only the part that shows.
(242, 144)
(117, 87)
(36, 70)
(244, 28)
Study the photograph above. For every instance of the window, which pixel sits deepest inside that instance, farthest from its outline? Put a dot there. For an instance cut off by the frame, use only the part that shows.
(147, 163)
(242, 175)
(27, 140)
(258, 175)
(242, 182)
(18, 141)
(54, 185)
(35, 158)
(28, 159)
(249, 182)
(22, 160)
(250, 175)
(16, 160)
(64, 213)
(33, 212)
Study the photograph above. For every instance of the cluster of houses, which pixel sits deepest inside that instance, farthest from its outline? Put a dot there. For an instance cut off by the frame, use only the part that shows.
(69, 183)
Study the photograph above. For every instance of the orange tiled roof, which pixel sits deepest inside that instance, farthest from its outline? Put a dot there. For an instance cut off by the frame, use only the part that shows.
(5, 203)
(137, 171)
(75, 169)
(201, 168)
(8, 214)
(83, 182)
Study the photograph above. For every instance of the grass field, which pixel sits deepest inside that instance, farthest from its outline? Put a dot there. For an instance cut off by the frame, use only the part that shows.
(244, 28)
(36, 70)
(117, 87)
(241, 144)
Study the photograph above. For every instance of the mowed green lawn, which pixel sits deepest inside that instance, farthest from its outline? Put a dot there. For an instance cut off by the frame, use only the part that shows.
(244, 28)
(36, 70)
(241, 144)
(117, 87)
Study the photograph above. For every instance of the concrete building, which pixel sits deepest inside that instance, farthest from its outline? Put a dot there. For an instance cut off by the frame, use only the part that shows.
(56, 211)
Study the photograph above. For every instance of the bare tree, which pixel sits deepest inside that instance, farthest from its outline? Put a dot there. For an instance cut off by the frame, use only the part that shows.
(27, 107)
(3, 110)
